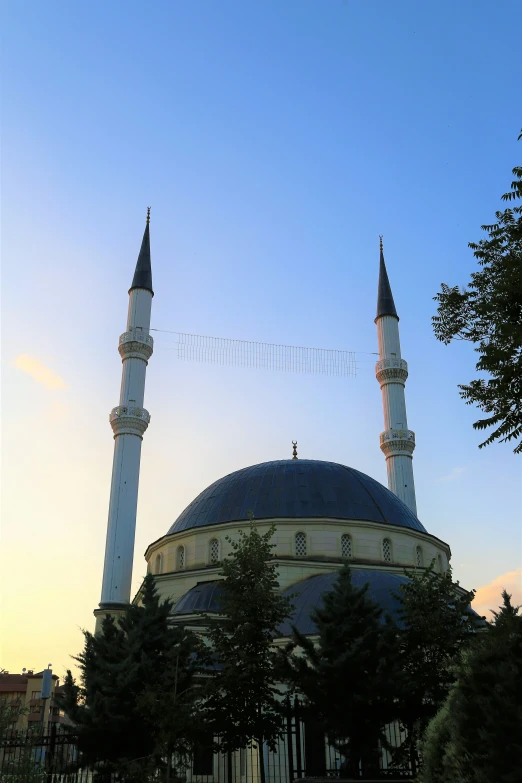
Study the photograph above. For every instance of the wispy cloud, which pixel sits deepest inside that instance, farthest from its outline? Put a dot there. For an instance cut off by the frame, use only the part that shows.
(39, 371)
(490, 596)
(455, 474)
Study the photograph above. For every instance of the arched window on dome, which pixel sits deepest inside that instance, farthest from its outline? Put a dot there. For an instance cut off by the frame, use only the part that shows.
(386, 550)
(346, 545)
(300, 544)
(213, 551)
(439, 564)
(158, 564)
(419, 559)
(180, 558)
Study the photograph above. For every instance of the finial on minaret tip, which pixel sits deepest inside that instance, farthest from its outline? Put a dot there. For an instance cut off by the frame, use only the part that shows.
(148, 215)
(380, 242)
(294, 444)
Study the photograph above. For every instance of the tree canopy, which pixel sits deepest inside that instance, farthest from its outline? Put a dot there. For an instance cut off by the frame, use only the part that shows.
(488, 313)
(350, 675)
(243, 707)
(477, 735)
(129, 674)
(435, 624)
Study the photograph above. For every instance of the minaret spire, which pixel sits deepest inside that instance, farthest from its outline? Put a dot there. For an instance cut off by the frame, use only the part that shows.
(385, 303)
(143, 273)
(397, 441)
(129, 420)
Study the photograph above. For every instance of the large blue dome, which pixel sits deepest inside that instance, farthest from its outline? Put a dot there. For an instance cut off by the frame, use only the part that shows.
(302, 488)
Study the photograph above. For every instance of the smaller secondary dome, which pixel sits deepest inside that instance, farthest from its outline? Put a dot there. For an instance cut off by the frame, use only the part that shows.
(305, 597)
(296, 489)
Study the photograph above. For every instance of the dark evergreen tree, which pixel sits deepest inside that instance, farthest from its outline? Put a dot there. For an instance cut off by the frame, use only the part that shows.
(488, 313)
(123, 669)
(435, 623)
(243, 707)
(172, 705)
(350, 675)
(477, 735)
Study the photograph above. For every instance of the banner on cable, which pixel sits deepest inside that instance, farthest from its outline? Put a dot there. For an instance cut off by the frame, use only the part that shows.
(265, 356)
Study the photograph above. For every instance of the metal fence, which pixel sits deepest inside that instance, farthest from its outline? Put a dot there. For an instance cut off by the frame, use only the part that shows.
(301, 752)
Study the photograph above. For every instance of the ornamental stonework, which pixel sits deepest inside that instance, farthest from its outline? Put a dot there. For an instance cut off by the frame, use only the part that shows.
(129, 421)
(135, 344)
(397, 442)
(391, 371)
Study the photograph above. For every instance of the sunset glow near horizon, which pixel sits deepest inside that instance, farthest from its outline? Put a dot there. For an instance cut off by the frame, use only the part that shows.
(275, 142)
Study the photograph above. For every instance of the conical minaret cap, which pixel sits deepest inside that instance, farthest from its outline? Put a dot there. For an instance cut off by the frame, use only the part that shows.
(143, 273)
(385, 303)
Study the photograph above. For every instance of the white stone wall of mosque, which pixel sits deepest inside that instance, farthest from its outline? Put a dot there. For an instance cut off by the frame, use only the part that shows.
(371, 544)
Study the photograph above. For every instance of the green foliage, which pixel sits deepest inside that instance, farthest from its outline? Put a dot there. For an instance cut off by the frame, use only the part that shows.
(435, 624)
(10, 712)
(350, 677)
(243, 705)
(477, 735)
(131, 672)
(172, 707)
(22, 766)
(488, 313)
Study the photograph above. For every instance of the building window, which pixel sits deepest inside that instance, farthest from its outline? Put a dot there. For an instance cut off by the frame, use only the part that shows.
(419, 560)
(158, 564)
(203, 759)
(439, 564)
(300, 544)
(386, 550)
(180, 557)
(346, 546)
(213, 551)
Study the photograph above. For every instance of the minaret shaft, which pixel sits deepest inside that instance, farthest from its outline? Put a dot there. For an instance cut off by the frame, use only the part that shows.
(393, 397)
(129, 421)
(397, 441)
(119, 546)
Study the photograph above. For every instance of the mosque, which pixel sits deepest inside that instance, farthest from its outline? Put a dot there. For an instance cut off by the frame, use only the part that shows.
(325, 513)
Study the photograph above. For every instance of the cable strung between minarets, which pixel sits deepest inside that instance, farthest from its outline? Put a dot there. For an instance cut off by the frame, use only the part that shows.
(397, 441)
(128, 421)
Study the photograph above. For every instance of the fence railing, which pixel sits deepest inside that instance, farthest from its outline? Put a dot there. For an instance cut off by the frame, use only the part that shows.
(301, 752)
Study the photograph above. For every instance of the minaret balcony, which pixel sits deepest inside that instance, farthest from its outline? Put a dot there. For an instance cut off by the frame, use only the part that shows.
(391, 371)
(396, 442)
(126, 420)
(136, 344)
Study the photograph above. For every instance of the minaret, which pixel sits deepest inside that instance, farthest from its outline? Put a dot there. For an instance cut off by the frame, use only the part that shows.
(128, 421)
(397, 441)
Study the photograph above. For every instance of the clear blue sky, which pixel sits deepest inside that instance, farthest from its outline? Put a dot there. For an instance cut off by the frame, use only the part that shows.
(275, 141)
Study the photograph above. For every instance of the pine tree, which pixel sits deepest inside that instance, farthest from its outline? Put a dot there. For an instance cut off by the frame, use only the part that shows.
(124, 670)
(435, 623)
(243, 708)
(477, 735)
(349, 676)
